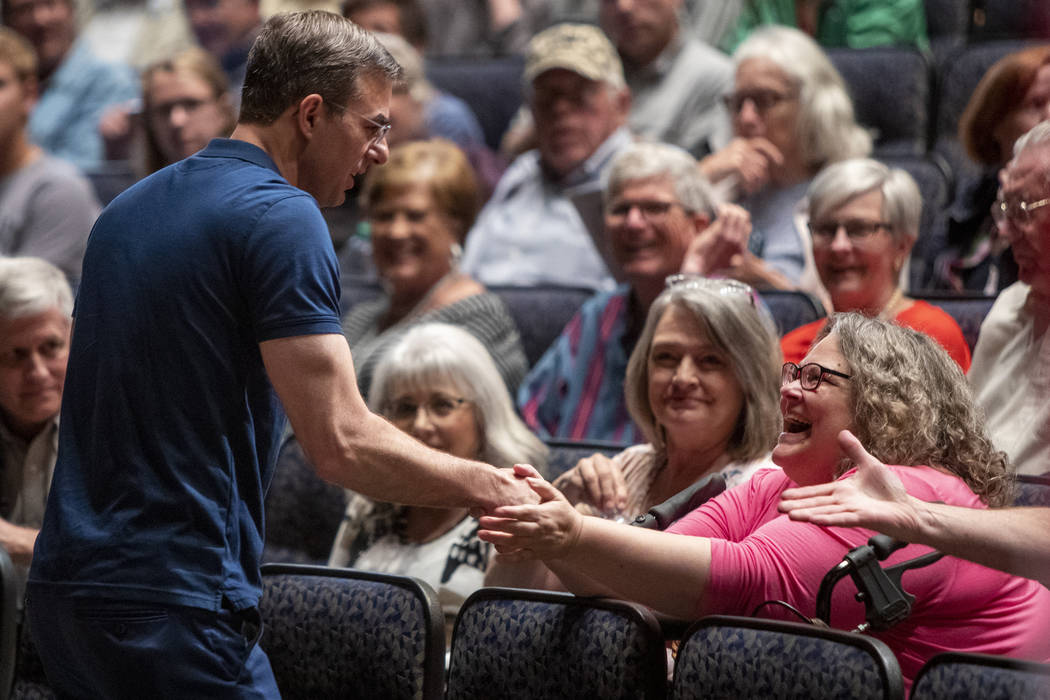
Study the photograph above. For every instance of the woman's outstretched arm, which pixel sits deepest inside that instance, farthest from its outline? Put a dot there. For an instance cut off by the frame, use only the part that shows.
(667, 572)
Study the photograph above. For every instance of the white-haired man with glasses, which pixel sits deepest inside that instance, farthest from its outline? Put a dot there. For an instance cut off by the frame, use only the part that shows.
(1010, 373)
(659, 211)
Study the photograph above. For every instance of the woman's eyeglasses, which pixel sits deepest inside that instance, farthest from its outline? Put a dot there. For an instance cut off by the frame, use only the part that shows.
(438, 407)
(809, 375)
(763, 100)
(858, 231)
(724, 287)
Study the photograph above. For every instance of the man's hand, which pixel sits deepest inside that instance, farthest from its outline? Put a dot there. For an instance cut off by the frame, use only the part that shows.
(546, 531)
(596, 481)
(720, 246)
(872, 498)
(747, 161)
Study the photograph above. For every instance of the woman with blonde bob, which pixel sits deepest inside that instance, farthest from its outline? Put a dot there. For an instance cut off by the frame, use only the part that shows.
(866, 382)
(791, 116)
(440, 385)
(863, 222)
(702, 386)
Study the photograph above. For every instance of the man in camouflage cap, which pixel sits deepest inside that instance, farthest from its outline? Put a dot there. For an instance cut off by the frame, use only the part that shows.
(530, 232)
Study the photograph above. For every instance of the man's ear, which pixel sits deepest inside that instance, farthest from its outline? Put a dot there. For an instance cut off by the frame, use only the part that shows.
(623, 102)
(308, 114)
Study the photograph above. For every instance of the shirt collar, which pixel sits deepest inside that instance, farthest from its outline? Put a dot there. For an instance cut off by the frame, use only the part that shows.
(236, 148)
(593, 166)
(9, 438)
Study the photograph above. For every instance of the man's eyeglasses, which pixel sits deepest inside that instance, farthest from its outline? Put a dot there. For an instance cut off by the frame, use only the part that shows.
(379, 129)
(652, 210)
(763, 100)
(438, 407)
(857, 230)
(723, 287)
(809, 375)
(1015, 211)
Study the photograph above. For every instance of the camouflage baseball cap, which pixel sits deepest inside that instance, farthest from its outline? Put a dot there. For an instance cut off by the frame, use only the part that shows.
(581, 48)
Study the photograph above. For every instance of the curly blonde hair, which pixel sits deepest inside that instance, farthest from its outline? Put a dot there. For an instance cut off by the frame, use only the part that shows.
(912, 405)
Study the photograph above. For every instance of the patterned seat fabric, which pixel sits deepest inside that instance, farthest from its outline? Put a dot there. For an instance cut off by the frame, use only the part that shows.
(337, 635)
(30, 681)
(729, 658)
(544, 645)
(303, 511)
(981, 677)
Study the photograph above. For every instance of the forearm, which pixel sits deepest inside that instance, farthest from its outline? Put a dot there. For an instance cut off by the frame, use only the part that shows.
(352, 447)
(1010, 539)
(18, 541)
(668, 573)
(370, 456)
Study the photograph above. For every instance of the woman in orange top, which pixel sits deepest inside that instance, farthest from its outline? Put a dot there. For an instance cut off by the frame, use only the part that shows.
(864, 219)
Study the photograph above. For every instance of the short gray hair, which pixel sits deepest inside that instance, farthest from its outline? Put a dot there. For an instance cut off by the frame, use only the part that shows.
(827, 126)
(432, 352)
(30, 286)
(645, 160)
(747, 338)
(301, 53)
(840, 182)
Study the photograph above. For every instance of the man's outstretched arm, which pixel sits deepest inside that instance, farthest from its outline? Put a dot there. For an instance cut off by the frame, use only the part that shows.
(351, 446)
(1009, 539)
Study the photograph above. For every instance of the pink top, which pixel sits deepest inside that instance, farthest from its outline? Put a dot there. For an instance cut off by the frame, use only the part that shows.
(758, 554)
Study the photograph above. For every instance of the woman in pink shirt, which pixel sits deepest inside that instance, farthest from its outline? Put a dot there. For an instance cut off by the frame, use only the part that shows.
(908, 403)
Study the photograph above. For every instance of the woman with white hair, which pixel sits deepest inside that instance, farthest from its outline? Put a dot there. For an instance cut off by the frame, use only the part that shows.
(791, 117)
(863, 222)
(438, 384)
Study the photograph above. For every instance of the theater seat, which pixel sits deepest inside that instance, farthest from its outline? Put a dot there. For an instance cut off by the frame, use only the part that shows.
(741, 657)
(980, 677)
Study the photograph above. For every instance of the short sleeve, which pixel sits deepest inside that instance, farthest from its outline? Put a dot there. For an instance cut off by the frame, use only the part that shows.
(291, 277)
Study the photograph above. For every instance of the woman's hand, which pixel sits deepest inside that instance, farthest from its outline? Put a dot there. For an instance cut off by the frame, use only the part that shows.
(597, 481)
(748, 161)
(546, 531)
(872, 498)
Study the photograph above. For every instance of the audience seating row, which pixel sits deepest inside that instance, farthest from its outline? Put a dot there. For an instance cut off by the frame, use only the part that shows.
(319, 615)
(338, 632)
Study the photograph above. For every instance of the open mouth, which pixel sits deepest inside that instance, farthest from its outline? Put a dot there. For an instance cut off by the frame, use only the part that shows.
(794, 425)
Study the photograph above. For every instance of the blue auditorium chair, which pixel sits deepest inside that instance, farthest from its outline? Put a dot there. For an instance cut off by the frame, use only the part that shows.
(722, 656)
(342, 633)
(492, 87)
(967, 310)
(1031, 490)
(933, 176)
(980, 677)
(541, 312)
(891, 89)
(303, 512)
(791, 309)
(537, 645)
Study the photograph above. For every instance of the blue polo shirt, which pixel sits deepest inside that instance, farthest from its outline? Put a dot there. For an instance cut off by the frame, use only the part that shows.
(170, 426)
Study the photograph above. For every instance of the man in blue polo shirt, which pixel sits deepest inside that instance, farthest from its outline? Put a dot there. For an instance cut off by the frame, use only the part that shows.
(209, 298)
